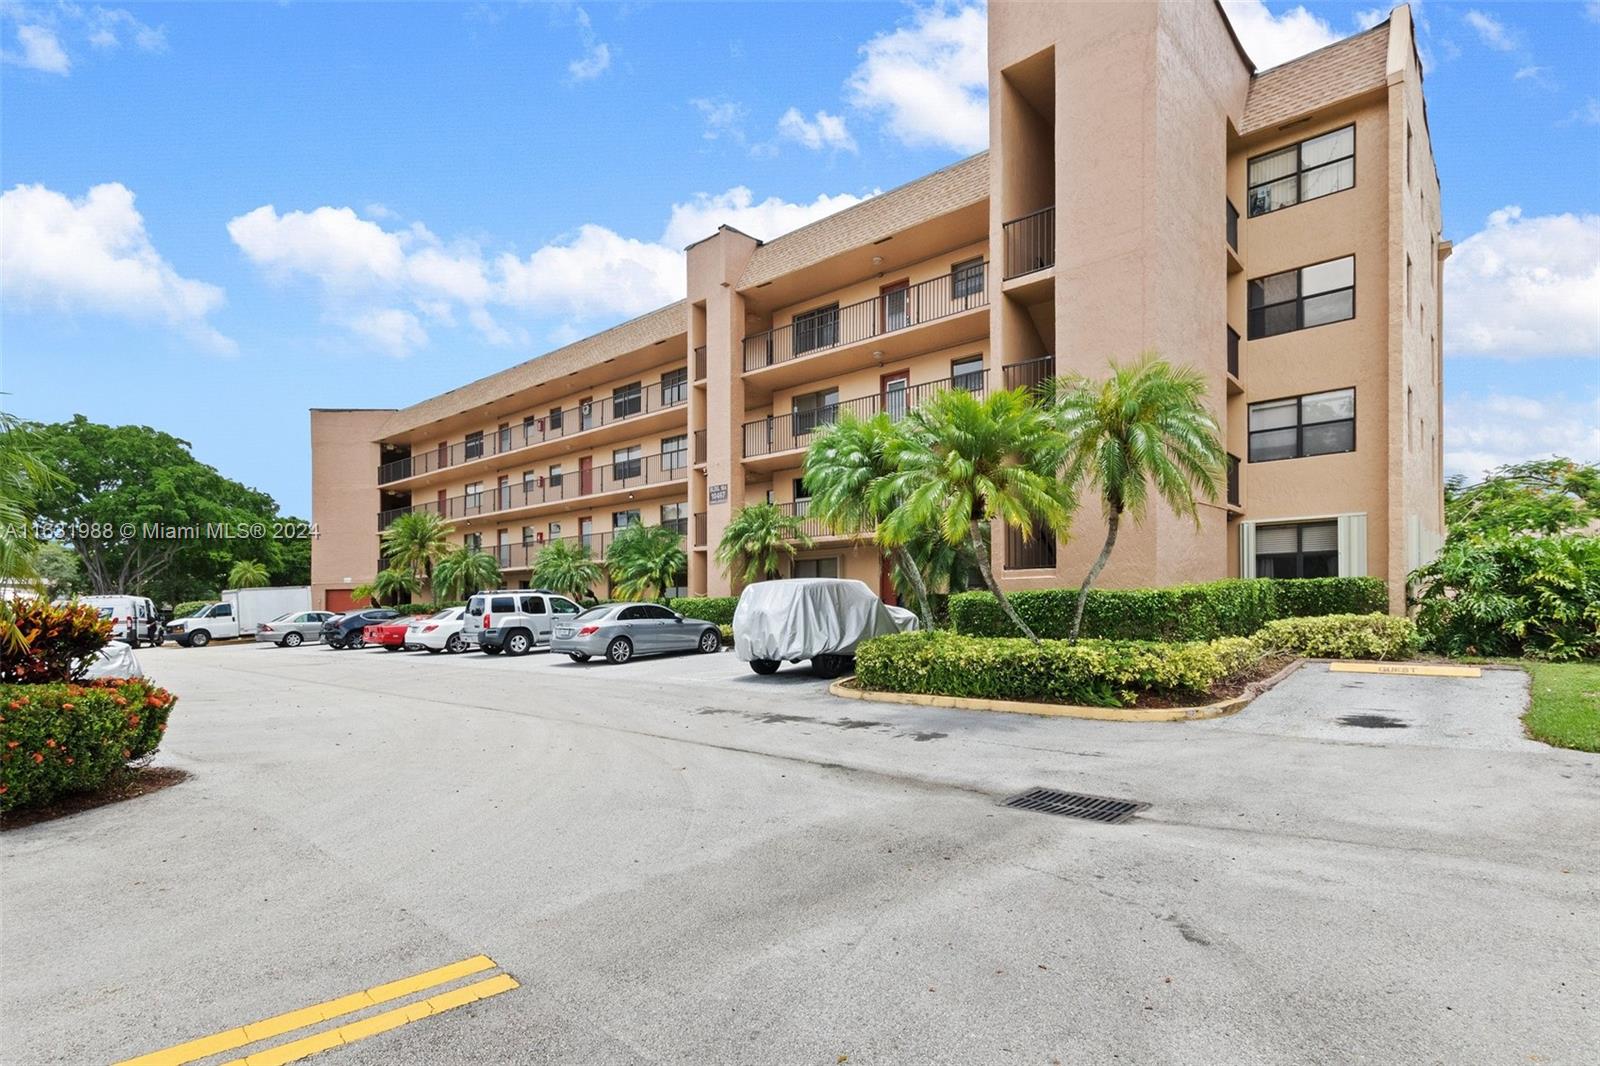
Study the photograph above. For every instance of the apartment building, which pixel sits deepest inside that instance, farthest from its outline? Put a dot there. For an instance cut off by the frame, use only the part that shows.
(1145, 190)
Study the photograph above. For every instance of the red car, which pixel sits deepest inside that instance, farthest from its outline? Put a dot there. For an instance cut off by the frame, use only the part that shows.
(391, 636)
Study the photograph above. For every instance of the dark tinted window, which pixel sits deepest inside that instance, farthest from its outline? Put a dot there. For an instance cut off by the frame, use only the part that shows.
(502, 604)
(633, 614)
(654, 611)
(533, 605)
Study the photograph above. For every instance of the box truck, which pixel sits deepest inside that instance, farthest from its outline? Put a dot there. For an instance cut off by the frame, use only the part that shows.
(238, 614)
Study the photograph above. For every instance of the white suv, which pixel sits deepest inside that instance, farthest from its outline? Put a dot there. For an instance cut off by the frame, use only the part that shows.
(514, 620)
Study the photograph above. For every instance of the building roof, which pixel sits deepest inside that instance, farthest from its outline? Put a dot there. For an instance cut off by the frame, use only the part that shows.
(658, 325)
(1336, 72)
(885, 215)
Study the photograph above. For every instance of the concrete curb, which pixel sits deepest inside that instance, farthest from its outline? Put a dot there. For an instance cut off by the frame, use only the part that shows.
(845, 688)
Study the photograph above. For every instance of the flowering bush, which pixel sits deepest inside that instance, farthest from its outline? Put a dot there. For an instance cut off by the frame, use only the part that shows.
(66, 737)
(58, 642)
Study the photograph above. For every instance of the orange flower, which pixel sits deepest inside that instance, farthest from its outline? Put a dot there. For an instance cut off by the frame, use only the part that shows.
(50, 743)
(66, 706)
(12, 743)
(70, 760)
(133, 719)
(37, 757)
(119, 701)
(4, 789)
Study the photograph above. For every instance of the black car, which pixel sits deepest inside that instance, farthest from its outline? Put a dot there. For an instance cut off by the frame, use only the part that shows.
(344, 631)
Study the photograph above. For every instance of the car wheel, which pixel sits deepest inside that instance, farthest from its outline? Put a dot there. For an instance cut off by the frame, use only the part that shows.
(710, 641)
(454, 644)
(578, 656)
(356, 641)
(292, 640)
(830, 666)
(199, 638)
(764, 666)
(518, 643)
(619, 651)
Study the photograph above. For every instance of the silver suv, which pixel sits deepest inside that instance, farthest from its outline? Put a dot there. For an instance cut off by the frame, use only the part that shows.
(514, 620)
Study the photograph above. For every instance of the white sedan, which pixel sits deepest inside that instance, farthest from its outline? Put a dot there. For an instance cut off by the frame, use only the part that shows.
(439, 632)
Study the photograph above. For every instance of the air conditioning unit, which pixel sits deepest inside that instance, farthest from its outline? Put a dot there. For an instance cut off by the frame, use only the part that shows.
(587, 409)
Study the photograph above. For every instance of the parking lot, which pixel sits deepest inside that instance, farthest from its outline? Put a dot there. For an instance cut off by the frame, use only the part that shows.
(675, 860)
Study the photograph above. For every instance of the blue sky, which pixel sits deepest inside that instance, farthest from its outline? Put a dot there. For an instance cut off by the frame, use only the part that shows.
(219, 215)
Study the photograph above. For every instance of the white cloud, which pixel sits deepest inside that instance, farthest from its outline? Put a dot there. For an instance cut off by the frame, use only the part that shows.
(824, 131)
(1534, 74)
(1491, 31)
(108, 27)
(1525, 287)
(723, 118)
(597, 272)
(1271, 39)
(331, 244)
(41, 50)
(1588, 114)
(738, 208)
(596, 53)
(929, 81)
(1592, 9)
(1483, 432)
(93, 254)
(1369, 18)
(390, 330)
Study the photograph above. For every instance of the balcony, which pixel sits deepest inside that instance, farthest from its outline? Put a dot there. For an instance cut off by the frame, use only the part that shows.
(1030, 243)
(1031, 375)
(1235, 382)
(627, 475)
(520, 556)
(1233, 481)
(813, 528)
(888, 315)
(602, 411)
(699, 446)
(699, 529)
(700, 363)
(777, 434)
(1233, 226)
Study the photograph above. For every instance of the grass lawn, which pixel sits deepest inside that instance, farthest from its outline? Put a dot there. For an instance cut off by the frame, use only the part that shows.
(1565, 710)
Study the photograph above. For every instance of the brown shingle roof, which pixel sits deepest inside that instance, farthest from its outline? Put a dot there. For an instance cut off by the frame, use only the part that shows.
(956, 186)
(636, 333)
(1341, 70)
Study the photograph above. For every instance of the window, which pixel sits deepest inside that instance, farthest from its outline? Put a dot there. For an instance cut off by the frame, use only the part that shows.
(503, 437)
(675, 452)
(502, 605)
(529, 536)
(474, 445)
(554, 421)
(828, 567)
(627, 462)
(814, 409)
(586, 413)
(966, 278)
(554, 477)
(532, 604)
(530, 429)
(816, 329)
(1308, 549)
(627, 401)
(1408, 153)
(1299, 299)
(675, 516)
(801, 493)
(1322, 423)
(555, 530)
(474, 494)
(561, 606)
(530, 485)
(623, 519)
(1304, 171)
(674, 387)
(473, 541)
(967, 373)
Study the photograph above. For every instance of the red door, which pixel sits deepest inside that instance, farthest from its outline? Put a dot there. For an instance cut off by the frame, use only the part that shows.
(894, 309)
(586, 475)
(894, 390)
(443, 507)
(339, 600)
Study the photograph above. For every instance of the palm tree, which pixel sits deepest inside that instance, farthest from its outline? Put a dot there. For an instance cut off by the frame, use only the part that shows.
(390, 584)
(757, 539)
(416, 540)
(248, 574)
(1146, 424)
(642, 558)
(843, 466)
(24, 476)
(962, 463)
(567, 568)
(465, 571)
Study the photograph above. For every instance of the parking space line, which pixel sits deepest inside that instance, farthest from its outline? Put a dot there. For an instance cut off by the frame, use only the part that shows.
(206, 1046)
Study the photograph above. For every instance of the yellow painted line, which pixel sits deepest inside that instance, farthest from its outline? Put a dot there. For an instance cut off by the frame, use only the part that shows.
(351, 1032)
(206, 1046)
(1406, 669)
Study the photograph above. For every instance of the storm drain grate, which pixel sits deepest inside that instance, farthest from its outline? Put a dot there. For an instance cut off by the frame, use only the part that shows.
(1075, 805)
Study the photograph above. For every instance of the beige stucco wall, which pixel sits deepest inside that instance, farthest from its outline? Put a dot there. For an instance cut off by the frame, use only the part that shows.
(344, 498)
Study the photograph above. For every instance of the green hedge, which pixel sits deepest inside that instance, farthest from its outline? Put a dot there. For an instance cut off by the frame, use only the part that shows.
(61, 738)
(718, 610)
(1232, 608)
(1341, 636)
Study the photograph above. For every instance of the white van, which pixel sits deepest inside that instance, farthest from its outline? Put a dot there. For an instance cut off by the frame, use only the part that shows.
(133, 618)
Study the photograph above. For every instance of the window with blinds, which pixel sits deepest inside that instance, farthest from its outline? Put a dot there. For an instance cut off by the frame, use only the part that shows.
(1306, 171)
(1322, 423)
(1303, 549)
(1313, 295)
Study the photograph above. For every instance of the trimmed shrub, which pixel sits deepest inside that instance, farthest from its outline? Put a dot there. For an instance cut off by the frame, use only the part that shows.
(1340, 636)
(717, 610)
(1104, 673)
(60, 641)
(61, 738)
(1231, 608)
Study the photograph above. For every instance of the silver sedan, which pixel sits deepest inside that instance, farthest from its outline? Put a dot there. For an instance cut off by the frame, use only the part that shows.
(292, 629)
(619, 631)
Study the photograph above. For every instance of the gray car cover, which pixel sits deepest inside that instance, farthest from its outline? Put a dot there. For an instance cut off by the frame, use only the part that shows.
(810, 616)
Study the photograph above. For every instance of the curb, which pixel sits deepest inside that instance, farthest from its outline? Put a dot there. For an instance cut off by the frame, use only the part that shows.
(845, 689)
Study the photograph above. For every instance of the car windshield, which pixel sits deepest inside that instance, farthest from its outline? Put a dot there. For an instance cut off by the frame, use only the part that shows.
(593, 613)
(285, 617)
(448, 612)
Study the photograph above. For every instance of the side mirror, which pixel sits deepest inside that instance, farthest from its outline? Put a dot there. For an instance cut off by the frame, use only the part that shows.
(677, 617)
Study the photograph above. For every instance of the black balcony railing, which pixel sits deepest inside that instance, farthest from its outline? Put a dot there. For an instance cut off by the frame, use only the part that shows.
(1233, 352)
(601, 411)
(1030, 374)
(615, 476)
(700, 363)
(963, 289)
(1037, 551)
(813, 528)
(1030, 243)
(1233, 226)
(782, 433)
(521, 555)
(1233, 480)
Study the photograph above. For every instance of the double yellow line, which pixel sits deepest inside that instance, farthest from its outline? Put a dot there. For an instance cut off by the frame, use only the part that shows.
(348, 1033)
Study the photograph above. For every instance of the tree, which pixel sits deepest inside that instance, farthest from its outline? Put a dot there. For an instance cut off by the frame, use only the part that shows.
(1145, 425)
(756, 540)
(962, 463)
(415, 541)
(844, 465)
(464, 572)
(568, 568)
(390, 585)
(642, 558)
(25, 477)
(59, 569)
(248, 574)
(1540, 496)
